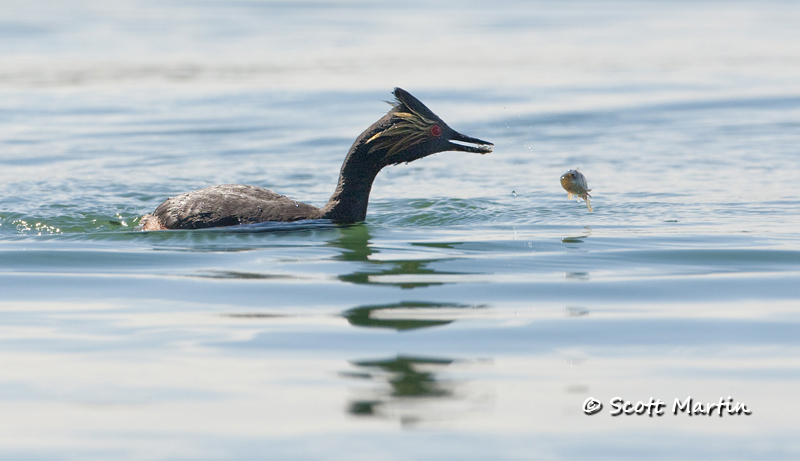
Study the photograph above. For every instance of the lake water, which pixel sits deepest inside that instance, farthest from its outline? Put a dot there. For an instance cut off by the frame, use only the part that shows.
(477, 309)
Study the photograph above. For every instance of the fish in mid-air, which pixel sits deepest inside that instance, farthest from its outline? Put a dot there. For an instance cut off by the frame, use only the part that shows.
(574, 182)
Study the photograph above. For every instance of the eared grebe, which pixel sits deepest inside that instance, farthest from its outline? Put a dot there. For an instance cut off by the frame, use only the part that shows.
(408, 132)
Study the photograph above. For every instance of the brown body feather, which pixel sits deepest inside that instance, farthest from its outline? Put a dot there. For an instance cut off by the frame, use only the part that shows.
(409, 131)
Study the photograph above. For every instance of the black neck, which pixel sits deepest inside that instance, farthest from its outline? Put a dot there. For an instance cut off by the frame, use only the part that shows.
(350, 199)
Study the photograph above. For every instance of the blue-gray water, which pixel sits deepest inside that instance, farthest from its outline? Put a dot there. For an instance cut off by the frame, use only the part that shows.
(477, 308)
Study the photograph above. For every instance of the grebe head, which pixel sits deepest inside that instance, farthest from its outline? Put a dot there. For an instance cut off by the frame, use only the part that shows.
(416, 132)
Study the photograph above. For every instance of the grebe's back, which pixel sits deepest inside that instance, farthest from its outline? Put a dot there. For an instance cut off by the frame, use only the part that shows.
(409, 131)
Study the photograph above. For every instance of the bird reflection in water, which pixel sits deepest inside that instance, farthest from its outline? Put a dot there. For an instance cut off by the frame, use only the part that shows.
(405, 315)
(412, 390)
(356, 246)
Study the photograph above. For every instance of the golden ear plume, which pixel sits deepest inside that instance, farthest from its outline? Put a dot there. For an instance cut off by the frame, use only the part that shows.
(408, 129)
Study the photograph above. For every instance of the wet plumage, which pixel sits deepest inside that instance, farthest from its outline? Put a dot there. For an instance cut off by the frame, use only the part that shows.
(408, 132)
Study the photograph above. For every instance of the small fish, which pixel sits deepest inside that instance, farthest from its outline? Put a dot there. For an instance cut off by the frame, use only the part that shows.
(574, 182)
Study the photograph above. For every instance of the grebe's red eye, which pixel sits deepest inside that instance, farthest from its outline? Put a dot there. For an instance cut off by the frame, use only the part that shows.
(436, 130)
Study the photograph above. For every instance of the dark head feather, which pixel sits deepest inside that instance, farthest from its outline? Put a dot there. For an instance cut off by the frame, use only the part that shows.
(411, 124)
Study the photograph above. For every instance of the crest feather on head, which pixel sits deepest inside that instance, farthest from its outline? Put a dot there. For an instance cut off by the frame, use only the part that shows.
(409, 127)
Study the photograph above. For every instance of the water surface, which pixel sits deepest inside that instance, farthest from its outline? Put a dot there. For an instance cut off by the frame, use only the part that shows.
(477, 308)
